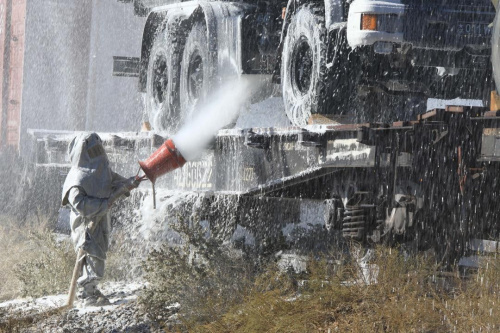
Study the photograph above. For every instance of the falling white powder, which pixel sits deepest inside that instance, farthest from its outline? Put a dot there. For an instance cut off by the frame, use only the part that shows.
(267, 113)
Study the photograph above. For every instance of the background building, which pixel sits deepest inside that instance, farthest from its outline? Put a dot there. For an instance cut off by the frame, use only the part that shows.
(57, 67)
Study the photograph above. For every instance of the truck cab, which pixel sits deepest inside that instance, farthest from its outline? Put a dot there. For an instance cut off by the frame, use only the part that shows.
(434, 41)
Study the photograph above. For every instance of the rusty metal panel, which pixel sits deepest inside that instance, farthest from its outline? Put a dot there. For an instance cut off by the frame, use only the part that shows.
(490, 145)
(3, 22)
(18, 20)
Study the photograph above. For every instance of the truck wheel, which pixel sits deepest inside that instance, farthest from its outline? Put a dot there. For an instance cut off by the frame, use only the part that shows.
(303, 68)
(196, 70)
(162, 89)
(495, 52)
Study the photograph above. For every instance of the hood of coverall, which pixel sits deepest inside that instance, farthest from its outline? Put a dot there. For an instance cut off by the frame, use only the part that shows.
(89, 167)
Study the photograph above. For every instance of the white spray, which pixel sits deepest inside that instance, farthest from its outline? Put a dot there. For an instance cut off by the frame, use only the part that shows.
(220, 110)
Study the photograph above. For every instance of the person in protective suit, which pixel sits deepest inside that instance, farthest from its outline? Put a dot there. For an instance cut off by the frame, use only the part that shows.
(90, 189)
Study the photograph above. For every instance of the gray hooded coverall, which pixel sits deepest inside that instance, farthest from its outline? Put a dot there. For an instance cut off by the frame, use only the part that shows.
(87, 188)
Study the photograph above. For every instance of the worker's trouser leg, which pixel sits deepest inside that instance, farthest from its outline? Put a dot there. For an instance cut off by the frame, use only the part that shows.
(92, 273)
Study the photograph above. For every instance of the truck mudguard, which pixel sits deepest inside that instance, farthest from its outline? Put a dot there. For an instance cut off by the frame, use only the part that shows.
(334, 13)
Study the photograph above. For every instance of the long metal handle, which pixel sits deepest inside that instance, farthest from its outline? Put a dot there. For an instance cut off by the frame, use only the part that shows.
(76, 274)
(77, 270)
(154, 195)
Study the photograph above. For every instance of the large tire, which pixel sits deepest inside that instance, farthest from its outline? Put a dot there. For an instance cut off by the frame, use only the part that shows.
(197, 71)
(162, 87)
(495, 52)
(303, 69)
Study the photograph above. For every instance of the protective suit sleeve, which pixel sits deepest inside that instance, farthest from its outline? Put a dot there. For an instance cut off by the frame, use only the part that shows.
(118, 178)
(87, 206)
(120, 181)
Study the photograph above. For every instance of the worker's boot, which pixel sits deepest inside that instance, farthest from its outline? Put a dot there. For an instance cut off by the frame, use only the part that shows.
(89, 295)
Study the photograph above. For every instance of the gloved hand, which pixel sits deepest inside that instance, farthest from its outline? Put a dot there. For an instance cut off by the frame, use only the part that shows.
(117, 194)
(124, 190)
(134, 182)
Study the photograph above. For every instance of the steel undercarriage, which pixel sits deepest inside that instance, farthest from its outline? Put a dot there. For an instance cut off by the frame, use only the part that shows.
(432, 182)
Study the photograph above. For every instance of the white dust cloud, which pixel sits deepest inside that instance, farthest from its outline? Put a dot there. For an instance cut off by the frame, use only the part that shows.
(220, 110)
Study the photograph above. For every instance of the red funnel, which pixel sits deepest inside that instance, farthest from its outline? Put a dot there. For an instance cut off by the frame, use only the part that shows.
(163, 160)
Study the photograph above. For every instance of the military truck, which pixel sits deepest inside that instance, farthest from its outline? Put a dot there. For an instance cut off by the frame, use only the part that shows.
(363, 60)
(431, 182)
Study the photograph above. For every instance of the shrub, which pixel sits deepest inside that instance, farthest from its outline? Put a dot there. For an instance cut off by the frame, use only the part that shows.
(203, 275)
(120, 262)
(10, 238)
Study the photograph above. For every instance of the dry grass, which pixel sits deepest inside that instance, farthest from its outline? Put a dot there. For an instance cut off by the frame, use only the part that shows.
(10, 237)
(220, 292)
(37, 264)
(34, 262)
(409, 297)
